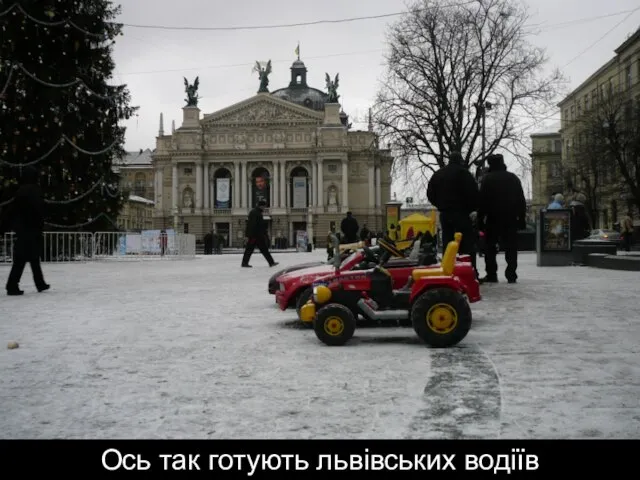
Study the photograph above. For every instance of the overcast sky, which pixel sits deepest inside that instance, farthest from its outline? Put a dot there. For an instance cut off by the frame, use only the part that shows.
(153, 61)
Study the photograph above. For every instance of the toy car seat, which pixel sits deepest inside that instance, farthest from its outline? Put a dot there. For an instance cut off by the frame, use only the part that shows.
(448, 264)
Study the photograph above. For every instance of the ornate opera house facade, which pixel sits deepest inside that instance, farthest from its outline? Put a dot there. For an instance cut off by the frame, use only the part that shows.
(291, 147)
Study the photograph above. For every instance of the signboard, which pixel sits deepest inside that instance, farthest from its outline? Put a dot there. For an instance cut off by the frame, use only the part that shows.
(223, 189)
(299, 192)
(556, 230)
(393, 215)
(302, 240)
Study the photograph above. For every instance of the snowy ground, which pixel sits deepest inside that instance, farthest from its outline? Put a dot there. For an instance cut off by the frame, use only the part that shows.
(198, 349)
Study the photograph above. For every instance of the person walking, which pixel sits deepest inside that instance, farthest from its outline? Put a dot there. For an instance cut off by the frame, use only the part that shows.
(349, 227)
(256, 234)
(26, 217)
(626, 229)
(502, 213)
(454, 192)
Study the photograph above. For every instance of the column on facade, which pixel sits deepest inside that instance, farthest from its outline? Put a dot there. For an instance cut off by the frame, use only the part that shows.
(236, 184)
(206, 185)
(314, 183)
(159, 189)
(275, 190)
(372, 185)
(345, 184)
(174, 187)
(378, 187)
(243, 183)
(284, 191)
(199, 196)
(320, 183)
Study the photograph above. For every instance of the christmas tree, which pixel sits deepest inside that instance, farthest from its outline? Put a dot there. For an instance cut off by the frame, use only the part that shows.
(58, 113)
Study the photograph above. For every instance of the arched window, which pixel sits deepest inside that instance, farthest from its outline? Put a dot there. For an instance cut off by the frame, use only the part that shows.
(222, 189)
(260, 186)
(299, 188)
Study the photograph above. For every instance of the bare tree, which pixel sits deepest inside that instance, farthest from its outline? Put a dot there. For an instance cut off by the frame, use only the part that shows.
(449, 62)
(585, 172)
(605, 160)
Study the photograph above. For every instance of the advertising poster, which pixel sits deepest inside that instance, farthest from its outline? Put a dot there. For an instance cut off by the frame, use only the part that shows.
(223, 190)
(302, 240)
(393, 215)
(299, 192)
(556, 230)
(261, 189)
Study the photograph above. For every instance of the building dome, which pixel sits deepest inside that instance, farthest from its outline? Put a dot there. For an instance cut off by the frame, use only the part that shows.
(299, 92)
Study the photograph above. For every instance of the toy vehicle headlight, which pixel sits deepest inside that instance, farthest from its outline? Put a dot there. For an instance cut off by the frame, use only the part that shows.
(321, 294)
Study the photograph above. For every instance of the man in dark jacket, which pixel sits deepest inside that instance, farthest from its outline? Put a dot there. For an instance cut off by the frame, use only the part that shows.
(454, 192)
(502, 212)
(256, 234)
(349, 227)
(26, 218)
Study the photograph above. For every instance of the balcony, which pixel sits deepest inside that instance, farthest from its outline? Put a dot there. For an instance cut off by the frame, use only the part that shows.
(220, 212)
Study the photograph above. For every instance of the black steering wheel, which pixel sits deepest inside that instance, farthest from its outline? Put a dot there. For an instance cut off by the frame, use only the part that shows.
(369, 256)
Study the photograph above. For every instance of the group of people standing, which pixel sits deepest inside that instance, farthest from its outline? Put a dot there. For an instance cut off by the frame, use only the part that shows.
(497, 208)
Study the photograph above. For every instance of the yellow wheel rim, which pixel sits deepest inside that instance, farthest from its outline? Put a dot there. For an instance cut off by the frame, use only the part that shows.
(442, 318)
(333, 326)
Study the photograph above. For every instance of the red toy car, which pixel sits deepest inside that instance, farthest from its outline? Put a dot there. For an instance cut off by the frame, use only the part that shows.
(296, 288)
(435, 300)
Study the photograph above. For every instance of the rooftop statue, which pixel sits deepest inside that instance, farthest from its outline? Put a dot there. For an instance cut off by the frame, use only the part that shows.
(332, 89)
(192, 92)
(263, 74)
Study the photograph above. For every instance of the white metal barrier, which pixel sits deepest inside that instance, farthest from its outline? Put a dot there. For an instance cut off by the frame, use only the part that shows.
(84, 246)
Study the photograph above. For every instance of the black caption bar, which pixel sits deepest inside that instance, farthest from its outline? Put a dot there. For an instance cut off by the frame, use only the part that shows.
(289, 458)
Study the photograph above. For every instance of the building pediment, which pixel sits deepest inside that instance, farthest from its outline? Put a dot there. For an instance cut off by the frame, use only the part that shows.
(263, 109)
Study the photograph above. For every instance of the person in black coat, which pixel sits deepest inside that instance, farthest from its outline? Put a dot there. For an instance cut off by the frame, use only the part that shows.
(26, 217)
(502, 212)
(454, 192)
(349, 227)
(257, 236)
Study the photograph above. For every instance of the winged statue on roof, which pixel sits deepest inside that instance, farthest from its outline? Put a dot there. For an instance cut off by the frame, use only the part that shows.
(192, 92)
(263, 69)
(332, 88)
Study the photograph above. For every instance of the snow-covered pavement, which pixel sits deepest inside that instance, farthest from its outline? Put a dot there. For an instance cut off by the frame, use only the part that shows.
(198, 349)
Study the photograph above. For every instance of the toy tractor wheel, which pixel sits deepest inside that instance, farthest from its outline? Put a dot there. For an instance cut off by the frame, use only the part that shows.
(334, 324)
(303, 297)
(441, 317)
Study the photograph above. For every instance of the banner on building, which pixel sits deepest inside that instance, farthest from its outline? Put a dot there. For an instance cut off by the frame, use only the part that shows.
(261, 189)
(223, 193)
(299, 192)
(302, 241)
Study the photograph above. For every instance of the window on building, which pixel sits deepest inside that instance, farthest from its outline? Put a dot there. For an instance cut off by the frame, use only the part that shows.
(573, 112)
(594, 97)
(188, 171)
(185, 228)
(557, 146)
(628, 77)
(579, 108)
(586, 103)
(332, 167)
